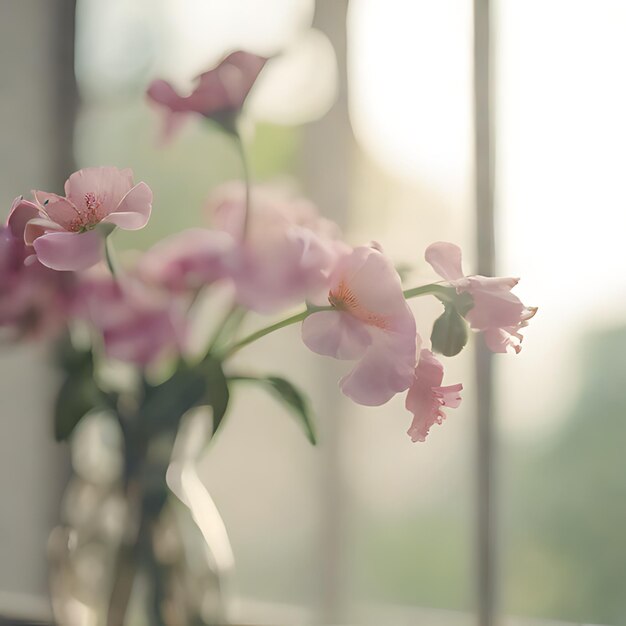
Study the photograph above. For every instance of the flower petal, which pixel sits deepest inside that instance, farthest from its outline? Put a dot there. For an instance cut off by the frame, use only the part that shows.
(226, 87)
(366, 291)
(238, 72)
(501, 339)
(386, 369)
(336, 334)
(141, 338)
(161, 92)
(445, 259)
(137, 324)
(427, 397)
(22, 211)
(286, 268)
(172, 123)
(374, 286)
(288, 251)
(108, 184)
(69, 251)
(133, 212)
(42, 198)
(223, 88)
(493, 307)
(187, 260)
(450, 395)
(38, 227)
(58, 209)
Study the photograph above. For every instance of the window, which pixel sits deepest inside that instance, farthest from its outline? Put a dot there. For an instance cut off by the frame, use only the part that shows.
(371, 529)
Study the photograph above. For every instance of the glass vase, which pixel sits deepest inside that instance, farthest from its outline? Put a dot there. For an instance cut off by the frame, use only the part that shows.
(140, 539)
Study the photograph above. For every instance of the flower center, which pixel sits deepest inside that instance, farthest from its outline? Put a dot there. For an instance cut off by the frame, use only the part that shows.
(344, 299)
(88, 217)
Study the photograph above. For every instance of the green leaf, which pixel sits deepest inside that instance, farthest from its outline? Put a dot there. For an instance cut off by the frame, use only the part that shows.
(217, 390)
(78, 395)
(291, 397)
(164, 404)
(449, 334)
(74, 361)
(295, 400)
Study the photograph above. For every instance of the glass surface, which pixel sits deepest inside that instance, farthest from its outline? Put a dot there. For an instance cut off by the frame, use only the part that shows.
(562, 132)
(411, 525)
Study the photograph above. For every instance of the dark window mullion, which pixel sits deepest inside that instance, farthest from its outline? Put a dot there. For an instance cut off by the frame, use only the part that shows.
(485, 249)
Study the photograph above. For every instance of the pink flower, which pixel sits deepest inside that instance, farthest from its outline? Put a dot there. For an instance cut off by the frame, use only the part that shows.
(137, 325)
(187, 261)
(497, 313)
(371, 322)
(62, 230)
(219, 91)
(34, 300)
(288, 250)
(426, 396)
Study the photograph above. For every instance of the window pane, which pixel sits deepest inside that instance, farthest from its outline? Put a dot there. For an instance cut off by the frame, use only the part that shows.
(562, 402)
(262, 474)
(411, 513)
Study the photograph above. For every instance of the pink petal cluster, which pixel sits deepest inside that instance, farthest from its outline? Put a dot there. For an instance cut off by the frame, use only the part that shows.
(426, 397)
(61, 230)
(497, 313)
(138, 326)
(218, 91)
(187, 261)
(370, 323)
(34, 300)
(288, 250)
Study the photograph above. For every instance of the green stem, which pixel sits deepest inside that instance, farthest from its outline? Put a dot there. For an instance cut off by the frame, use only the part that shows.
(247, 180)
(435, 289)
(294, 319)
(443, 293)
(109, 254)
(221, 327)
(234, 322)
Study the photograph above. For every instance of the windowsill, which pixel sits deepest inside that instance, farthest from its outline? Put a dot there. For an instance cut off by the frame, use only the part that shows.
(26, 610)
(253, 613)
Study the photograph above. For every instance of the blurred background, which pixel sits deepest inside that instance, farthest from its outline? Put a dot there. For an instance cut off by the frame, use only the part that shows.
(367, 528)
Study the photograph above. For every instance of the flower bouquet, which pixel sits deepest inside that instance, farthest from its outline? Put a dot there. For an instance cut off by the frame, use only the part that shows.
(132, 538)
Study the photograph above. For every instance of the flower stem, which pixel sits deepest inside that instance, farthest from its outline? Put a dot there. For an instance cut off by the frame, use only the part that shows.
(247, 180)
(109, 254)
(294, 319)
(441, 292)
(233, 310)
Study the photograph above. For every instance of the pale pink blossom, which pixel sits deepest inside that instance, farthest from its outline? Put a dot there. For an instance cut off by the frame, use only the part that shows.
(497, 313)
(34, 300)
(426, 397)
(137, 325)
(63, 230)
(370, 323)
(288, 249)
(219, 91)
(187, 261)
